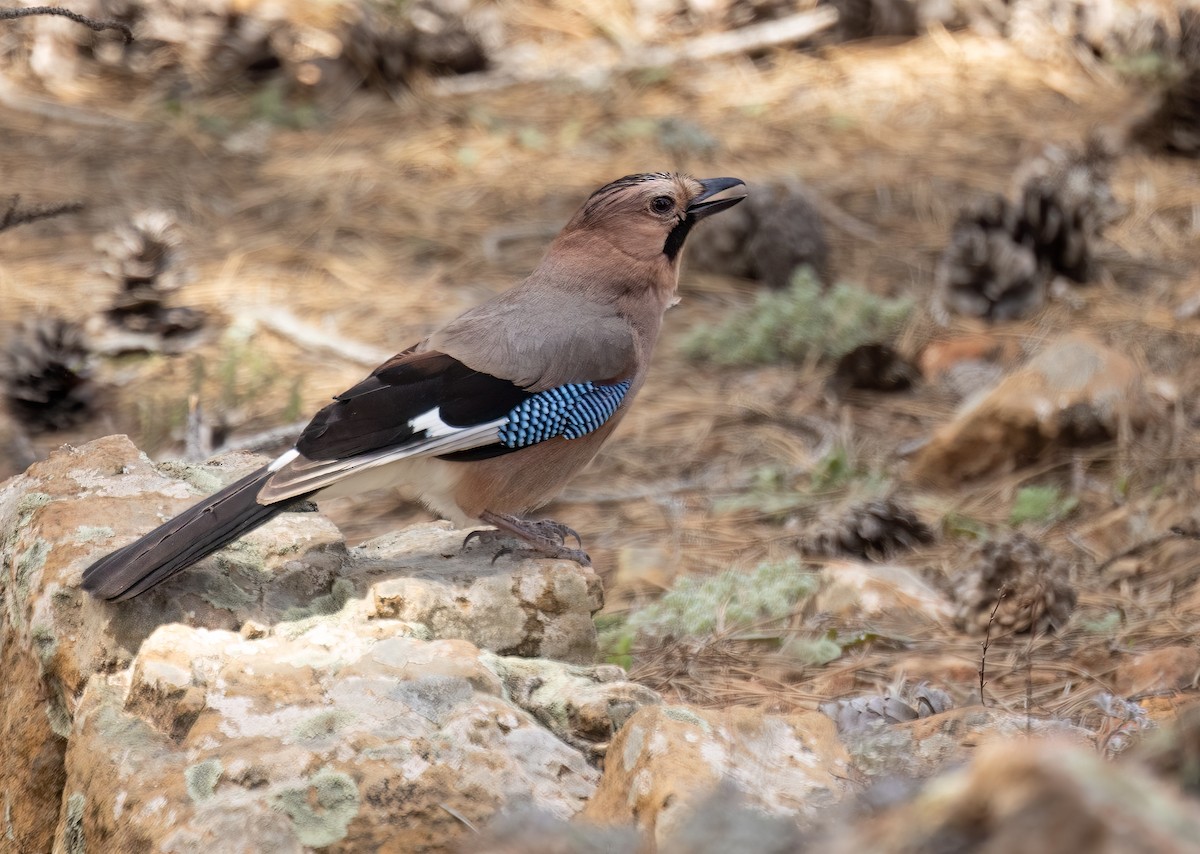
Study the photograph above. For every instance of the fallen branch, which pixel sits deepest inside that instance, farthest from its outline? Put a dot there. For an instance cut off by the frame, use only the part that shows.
(789, 30)
(1175, 533)
(14, 217)
(266, 440)
(10, 14)
(283, 322)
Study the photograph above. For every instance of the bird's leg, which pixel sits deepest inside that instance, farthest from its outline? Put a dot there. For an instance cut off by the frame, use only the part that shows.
(542, 537)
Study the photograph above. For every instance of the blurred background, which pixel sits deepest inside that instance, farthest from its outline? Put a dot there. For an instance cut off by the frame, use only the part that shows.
(946, 353)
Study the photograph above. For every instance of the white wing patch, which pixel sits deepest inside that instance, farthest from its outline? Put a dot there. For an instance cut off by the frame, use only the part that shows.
(283, 459)
(433, 425)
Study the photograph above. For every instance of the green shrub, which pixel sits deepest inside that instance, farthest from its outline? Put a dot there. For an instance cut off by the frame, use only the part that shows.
(732, 600)
(802, 322)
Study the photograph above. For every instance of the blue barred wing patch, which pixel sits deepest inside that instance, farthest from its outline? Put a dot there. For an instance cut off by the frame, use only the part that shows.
(570, 411)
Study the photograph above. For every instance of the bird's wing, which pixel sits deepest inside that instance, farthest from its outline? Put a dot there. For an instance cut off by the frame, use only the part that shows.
(541, 340)
(431, 404)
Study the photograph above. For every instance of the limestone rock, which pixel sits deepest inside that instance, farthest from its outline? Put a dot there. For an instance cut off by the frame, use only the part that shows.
(584, 706)
(538, 608)
(276, 585)
(667, 759)
(337, 733)
(1076, 391)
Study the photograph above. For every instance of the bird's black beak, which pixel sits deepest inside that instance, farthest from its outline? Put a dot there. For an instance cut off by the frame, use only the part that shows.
(704, 204)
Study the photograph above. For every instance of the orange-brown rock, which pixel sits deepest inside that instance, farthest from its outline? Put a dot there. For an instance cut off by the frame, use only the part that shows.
(1170, 668)
(667, 759)
(1076, 391)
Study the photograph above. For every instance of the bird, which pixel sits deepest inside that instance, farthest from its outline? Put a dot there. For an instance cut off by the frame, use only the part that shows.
(487, 418)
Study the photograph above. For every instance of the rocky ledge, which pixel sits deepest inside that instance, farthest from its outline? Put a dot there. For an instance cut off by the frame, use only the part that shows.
(288, 693)
(291, 694)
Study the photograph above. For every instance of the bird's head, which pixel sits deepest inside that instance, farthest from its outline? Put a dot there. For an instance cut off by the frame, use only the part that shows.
(647, 217)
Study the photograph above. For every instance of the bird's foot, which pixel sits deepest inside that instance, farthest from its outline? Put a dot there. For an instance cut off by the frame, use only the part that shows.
(538, 538)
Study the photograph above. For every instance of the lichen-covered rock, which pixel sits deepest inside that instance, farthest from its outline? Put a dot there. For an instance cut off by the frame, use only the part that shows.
(667, 759)
(332, 733)
(537, 608)
(278, 584)
(584, 706)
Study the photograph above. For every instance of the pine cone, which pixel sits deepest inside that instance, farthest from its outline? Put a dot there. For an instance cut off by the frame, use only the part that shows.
(1038, 594)
(1064, 202)
(767, 237)
(143, 259)
(986, 271)
(873, 367)
(1174, 126)
(863, 19)
(876, 530)
(47, 383)
(861, 713)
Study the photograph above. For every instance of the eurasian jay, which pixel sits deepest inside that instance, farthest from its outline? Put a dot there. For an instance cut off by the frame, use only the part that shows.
(487, 418)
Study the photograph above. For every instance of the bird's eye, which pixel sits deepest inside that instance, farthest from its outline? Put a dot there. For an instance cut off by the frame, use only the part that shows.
(662, 204)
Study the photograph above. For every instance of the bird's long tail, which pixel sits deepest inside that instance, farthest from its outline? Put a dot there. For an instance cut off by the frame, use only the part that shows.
(178, 543)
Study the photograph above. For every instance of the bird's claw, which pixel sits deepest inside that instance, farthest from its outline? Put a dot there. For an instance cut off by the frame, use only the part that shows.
(542, 538)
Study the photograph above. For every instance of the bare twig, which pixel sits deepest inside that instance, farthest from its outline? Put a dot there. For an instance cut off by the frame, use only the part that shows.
(91, 23)
(13, 217)
(283, 322)
(1177, 532)
(987, 639)
(14, 99)
(264, 440)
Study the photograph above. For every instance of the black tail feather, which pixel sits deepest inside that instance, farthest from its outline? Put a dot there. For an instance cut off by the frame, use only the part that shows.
(182, 541)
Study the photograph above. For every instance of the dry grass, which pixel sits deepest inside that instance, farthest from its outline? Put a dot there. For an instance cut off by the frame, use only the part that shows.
(374, 224)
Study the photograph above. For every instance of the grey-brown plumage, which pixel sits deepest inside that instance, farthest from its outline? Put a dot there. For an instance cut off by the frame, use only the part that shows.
(488, 417)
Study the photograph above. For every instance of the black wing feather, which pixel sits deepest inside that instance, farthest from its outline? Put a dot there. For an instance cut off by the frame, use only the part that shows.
(376, 413)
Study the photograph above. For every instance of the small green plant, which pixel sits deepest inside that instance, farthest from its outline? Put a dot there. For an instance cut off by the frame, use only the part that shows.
(615, 639)
(805, 321)
(958, 526)
(730, 601)
(812, 651)
(1043, 505)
